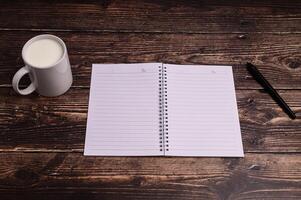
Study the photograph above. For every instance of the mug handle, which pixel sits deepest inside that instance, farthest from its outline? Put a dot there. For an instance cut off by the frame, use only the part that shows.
(17, 77)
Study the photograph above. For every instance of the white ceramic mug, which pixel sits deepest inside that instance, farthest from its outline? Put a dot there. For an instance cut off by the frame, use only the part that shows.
(48, 66)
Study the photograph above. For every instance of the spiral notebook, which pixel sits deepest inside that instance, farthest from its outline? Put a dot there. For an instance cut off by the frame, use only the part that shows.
(155, 109)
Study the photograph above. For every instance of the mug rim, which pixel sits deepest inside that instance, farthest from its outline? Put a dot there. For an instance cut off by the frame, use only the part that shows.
(44, 36)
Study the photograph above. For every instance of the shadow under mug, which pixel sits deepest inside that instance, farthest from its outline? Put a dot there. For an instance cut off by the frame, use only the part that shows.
(52, 80)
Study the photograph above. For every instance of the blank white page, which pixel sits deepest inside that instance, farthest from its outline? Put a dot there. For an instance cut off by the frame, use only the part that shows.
(123, 115)
(202, 112)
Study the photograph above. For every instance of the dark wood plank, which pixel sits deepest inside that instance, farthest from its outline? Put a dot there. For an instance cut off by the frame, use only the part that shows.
(153, 16)
(34, 123)
(277, 55)
(71, 175)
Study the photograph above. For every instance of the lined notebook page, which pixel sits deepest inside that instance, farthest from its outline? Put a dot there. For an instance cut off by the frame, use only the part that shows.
(202, 112)
(123, 115)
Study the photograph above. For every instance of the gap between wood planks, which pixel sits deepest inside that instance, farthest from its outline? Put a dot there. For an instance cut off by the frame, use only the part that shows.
(28, 150)
(143, 32)
(88, 87)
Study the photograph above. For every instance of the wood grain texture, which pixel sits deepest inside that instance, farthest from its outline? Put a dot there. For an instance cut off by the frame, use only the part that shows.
(71, 175)
(278, 56)
(153, 16)
(42, 139)
(38, 123)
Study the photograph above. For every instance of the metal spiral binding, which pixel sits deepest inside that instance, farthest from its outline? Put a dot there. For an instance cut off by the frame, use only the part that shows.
(165, 110)
(161, 109)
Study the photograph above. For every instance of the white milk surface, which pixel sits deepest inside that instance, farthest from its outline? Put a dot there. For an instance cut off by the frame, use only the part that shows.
(43, 53)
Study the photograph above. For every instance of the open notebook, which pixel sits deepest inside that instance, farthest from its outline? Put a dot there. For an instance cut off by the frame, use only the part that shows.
(162, 109)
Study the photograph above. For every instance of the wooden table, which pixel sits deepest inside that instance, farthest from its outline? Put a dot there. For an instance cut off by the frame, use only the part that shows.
(42, 139)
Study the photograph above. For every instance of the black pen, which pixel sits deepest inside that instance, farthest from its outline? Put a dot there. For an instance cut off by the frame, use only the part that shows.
(273, 93)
